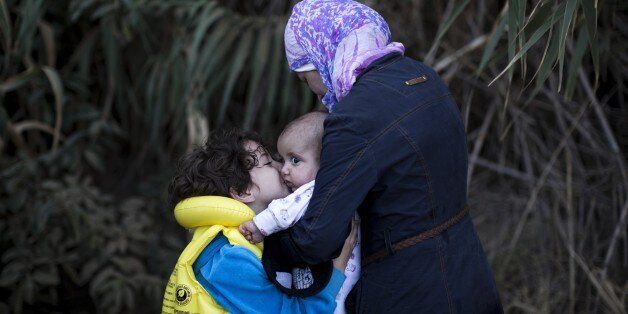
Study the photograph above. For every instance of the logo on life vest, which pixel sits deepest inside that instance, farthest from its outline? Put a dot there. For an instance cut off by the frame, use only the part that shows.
(182, 294)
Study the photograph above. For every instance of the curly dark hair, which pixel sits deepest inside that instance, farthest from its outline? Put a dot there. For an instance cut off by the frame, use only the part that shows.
(223, 163)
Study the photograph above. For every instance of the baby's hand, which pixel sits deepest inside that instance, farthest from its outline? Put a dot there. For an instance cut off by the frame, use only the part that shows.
(250, 231)
(341, 261)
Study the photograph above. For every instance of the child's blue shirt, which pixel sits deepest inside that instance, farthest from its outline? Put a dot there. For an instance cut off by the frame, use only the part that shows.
(235, 278)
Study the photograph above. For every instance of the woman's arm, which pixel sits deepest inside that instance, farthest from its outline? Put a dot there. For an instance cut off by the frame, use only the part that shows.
(237, 281)
(348, 172)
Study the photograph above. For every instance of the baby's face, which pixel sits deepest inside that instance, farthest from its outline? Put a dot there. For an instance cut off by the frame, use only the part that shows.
(301, 161)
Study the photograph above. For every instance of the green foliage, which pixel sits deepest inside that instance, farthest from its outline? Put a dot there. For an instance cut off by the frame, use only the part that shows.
(66, 229)
(546, 18)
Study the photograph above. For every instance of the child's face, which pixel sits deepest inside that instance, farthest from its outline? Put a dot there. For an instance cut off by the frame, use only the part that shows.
(268, 184)
(301, 161)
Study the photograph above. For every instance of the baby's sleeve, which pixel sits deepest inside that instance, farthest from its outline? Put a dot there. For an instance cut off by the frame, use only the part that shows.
(285, 212)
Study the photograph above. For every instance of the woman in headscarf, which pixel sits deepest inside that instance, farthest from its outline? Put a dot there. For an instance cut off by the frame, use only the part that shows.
(395, 152)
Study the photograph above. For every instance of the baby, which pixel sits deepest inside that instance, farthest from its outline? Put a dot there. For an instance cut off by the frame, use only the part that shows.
(300, 146)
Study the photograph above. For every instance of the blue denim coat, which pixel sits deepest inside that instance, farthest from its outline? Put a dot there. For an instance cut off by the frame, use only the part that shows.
(396, 153)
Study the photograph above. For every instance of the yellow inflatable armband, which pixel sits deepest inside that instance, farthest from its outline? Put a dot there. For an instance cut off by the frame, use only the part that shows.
(202, 211)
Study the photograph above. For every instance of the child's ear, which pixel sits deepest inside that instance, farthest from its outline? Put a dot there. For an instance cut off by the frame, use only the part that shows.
(245, 196)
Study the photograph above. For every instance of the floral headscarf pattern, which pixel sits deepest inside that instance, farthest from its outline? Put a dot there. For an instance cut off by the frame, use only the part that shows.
(340, 38)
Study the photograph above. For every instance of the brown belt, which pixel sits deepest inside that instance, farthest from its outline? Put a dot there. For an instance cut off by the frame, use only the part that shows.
(418, 238)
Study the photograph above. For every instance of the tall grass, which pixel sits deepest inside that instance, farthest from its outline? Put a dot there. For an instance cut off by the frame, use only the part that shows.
(98, 98)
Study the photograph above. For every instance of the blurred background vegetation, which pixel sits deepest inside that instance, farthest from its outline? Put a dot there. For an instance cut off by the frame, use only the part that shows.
(100, 97)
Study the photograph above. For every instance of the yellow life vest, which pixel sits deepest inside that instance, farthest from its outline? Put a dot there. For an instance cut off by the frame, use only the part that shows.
(207, 215)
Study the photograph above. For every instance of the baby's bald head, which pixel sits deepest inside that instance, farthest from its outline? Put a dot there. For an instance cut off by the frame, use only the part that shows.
(306, 130)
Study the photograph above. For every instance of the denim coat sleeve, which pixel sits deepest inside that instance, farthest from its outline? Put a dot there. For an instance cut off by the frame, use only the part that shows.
(348, 172)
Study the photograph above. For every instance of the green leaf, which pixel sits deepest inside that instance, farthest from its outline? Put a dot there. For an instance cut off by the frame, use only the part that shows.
(260, 59)
(104, 9)
(110, 50)
(492, 43)
(444, 27)
(51, 185)
(241, 54)
(78, 7)
(540, 16)
(9, 279)
(55, 83)
(28, 288)
(5, 27)
(94, 160)
(57, 89)
(17, 81)
(12, 254)
(562, 37)
(46, 278)
(4, 117)
(209, 15)
(42, 215)
(47, 35)
(149, 93)
(157, 114)
(275, 70)
(31, 13)
(82, 57)
(547, 62)
(521, 8)
(590, 16)
(288, 94)
(97, 283)
(213, 67)
(531, 42)
(513, 30)
(88, 270)
(576, 62)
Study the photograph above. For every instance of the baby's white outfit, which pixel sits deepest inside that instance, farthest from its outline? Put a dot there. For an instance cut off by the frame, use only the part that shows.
(284, 213)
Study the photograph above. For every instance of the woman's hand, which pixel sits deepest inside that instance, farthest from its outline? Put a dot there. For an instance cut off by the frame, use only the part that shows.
(340, 262)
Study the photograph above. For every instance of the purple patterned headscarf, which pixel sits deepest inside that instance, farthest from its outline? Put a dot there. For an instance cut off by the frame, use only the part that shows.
(340, 38)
